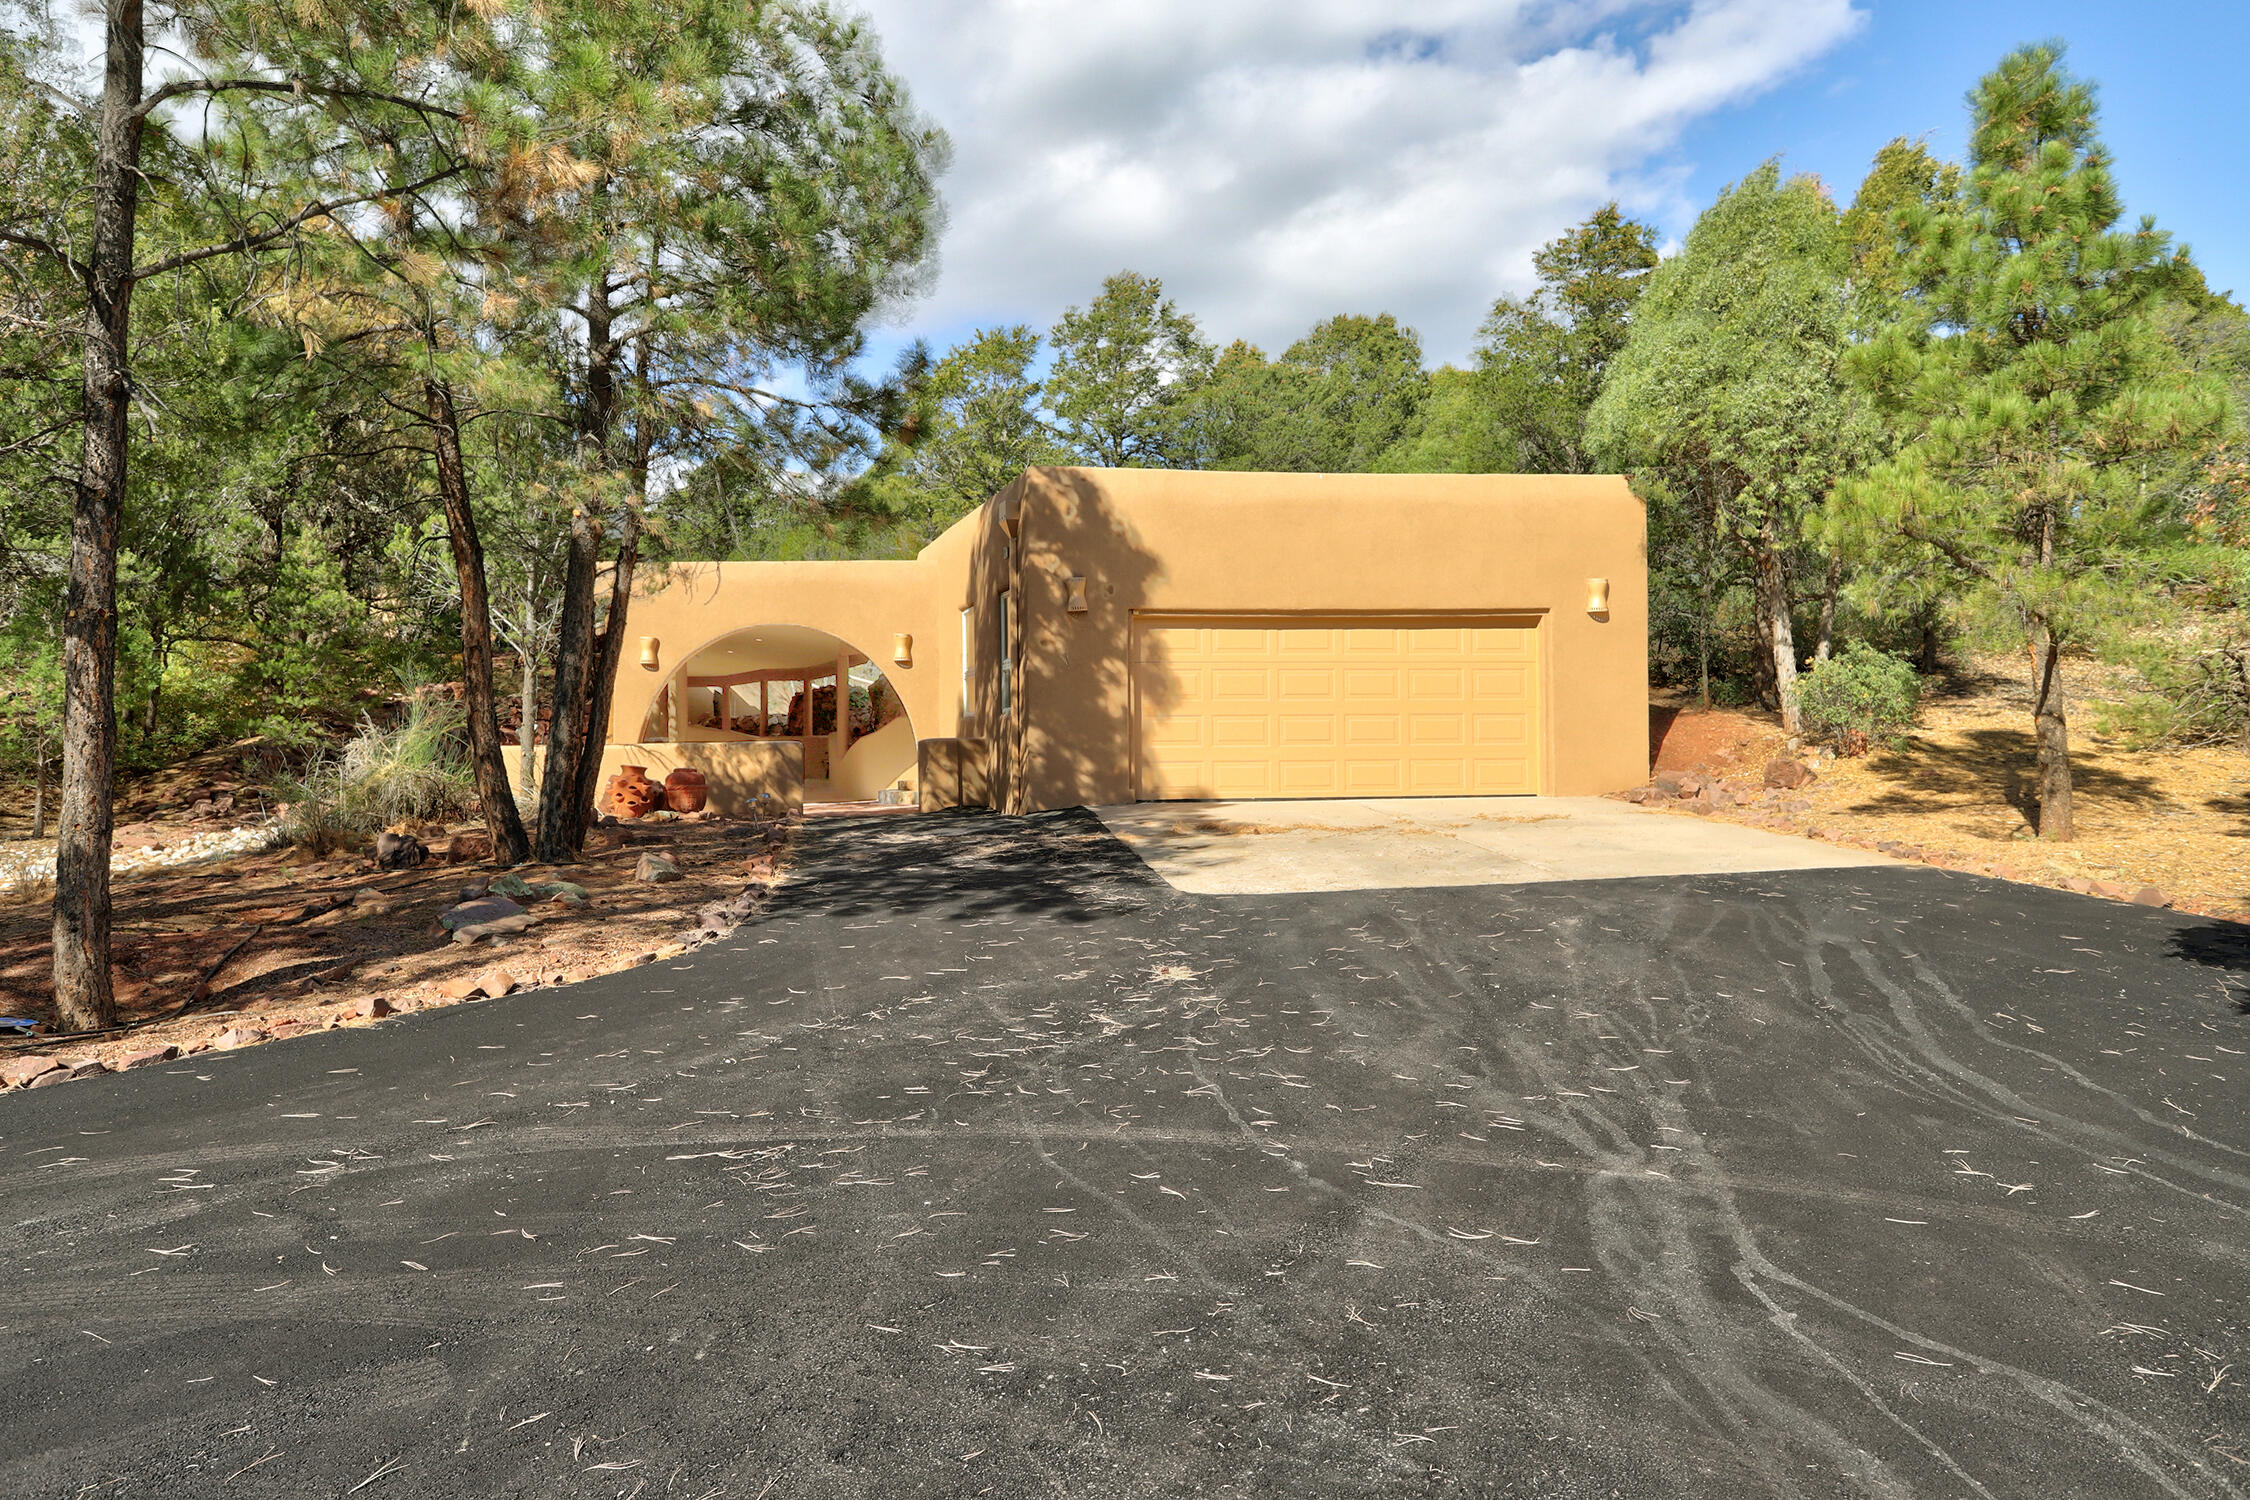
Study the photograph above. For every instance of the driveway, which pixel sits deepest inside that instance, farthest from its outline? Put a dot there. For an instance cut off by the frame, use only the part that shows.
(1389, 843)
(987, 1163)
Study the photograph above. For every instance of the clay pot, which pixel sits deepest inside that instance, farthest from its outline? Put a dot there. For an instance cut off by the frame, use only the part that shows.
(684, 791)
(630, 794)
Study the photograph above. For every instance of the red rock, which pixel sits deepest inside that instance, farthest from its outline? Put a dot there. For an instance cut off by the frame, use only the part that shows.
(18, 1074)
(237, 1036)
(2080, 884)
(2149, 895)
(59, 1075)
(2111, 890)
(498, 982)
(147, 1057)
(2006, 872)
(459, 987)
(1786, 773)
(88, 1068)
(373, 1008)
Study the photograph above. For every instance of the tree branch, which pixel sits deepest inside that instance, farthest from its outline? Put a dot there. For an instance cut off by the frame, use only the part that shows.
(321, 210)
(184, 86)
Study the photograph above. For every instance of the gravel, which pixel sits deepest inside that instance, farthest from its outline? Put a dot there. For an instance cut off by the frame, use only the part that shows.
(27, 865)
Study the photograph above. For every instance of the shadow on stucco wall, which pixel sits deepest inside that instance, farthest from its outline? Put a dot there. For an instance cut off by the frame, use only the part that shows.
(1077, 733)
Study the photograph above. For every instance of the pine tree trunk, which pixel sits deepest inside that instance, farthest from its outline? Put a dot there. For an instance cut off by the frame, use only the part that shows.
(84, 997)
(1780, 641)
(608, 653)
(39, 793)
(526, 781)
(2053, 731)
(501, 818)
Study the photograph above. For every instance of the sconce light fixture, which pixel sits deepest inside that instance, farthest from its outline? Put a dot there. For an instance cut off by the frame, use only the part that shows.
(649, 645)
(1597, 596)
(902, 649)
(1074, 599)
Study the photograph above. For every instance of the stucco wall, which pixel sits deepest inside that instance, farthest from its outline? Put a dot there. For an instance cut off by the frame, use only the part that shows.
(1156, 541)
(875, 761)
(735, 773)
(1159, 541)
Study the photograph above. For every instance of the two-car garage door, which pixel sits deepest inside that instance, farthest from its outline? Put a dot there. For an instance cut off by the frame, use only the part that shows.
(1235, 706)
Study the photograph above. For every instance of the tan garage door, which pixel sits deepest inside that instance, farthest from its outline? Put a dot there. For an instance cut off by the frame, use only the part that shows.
(1229, 706)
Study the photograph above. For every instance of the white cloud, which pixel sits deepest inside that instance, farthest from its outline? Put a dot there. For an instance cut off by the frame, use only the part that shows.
(1276, 161)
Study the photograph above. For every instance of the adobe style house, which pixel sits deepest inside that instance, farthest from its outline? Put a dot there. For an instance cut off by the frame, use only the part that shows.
(1098, 636)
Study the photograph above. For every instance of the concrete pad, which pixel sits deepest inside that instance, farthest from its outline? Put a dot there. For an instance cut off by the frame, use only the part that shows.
(1265, 848)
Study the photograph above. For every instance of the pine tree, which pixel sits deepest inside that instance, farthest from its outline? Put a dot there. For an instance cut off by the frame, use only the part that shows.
(2029, 371)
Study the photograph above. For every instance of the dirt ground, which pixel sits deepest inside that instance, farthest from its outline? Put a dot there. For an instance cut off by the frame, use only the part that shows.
(1961, 791)
(282, 942)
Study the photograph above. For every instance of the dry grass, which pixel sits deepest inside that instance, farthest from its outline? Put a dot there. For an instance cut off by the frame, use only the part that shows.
(1963, 788)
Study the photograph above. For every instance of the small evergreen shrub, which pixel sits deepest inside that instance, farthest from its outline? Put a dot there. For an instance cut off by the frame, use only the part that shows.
(1859, 697)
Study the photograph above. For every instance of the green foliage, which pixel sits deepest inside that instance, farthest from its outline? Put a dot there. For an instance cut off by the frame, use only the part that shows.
(1334, 403)
(2027, 378)
(1860, 696)
(1544, 358)
(1125, 371)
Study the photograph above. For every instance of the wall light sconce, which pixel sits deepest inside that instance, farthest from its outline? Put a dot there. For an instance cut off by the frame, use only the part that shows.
(1074, 598)
(649, 645)
(902, 649)
(1597, 596)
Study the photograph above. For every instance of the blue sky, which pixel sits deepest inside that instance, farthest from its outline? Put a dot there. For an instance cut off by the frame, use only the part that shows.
(1279, 161)
(2175, 108)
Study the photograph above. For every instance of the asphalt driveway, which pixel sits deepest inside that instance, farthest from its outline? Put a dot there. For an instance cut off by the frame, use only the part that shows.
(987, 1163)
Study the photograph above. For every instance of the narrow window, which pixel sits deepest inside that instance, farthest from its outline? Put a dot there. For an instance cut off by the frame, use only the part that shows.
(1007, 655)
(965, 661)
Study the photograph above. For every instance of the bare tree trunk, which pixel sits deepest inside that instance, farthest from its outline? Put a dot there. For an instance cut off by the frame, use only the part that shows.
(525, 780)
(559, 835)
(1825, 647)
(2053, 730)
(39, 792)
(609, 651)
(1773, 618)
(84, 997)
(501, 818)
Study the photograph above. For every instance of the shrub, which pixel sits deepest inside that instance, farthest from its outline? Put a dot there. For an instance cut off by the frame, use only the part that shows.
(1858, 697)
(414, 770)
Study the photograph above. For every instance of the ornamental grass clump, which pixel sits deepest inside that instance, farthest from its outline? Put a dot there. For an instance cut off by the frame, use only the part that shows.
(413, 771)
(1860, 697)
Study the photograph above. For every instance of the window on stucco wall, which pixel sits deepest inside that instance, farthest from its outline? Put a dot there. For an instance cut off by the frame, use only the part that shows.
(1007, 654)
(966, 658)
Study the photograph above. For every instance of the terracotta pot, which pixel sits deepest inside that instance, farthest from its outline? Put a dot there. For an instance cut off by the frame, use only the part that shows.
(684, 791)
(630, 794)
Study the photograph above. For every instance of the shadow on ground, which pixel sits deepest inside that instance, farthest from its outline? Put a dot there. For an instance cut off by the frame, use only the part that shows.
(965, 864)
(2007, 758)
(2220, 945)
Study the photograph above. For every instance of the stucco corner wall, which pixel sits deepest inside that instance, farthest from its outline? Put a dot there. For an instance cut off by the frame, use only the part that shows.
(736, 773)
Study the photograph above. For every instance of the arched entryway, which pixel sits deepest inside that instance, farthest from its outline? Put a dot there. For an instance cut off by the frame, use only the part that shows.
(781, 682)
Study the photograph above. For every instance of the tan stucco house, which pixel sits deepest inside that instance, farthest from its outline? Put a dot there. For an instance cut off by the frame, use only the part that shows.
(1097, 636)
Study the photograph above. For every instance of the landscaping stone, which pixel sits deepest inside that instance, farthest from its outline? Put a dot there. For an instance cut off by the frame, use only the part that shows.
(459, 987)
(2150, 895)
(498, 982)
(399, 851)
(59, 1075)
(2110, 890)
(469, 848)
(1787, 773)
(147, 1057)
(654, 869)
(668, 951)
(23, 1070)
(237, 1036)
(2079, 884)
(500, 928)
(480, 912)
(1670, 783)
(373, 1008)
